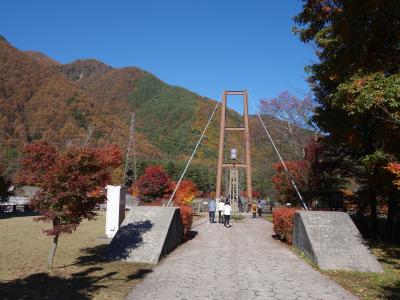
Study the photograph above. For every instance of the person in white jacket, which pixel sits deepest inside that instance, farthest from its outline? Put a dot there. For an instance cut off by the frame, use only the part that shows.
(227, 214)
(221, 205)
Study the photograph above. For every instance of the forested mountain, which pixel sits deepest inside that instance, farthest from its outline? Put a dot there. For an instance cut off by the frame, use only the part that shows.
(88, 102)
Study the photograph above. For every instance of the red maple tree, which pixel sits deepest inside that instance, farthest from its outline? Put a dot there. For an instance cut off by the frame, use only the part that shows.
(153, 184)
(156, 184)
(297, 171)
(70, 184)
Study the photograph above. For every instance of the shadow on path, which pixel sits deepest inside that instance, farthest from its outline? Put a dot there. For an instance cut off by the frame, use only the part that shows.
(192, 234)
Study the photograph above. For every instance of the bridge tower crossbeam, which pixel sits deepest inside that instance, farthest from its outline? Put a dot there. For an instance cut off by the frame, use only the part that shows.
(221, 164)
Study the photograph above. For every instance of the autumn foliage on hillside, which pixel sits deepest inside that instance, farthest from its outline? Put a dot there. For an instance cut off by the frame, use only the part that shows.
(38, 102)
(87, 102)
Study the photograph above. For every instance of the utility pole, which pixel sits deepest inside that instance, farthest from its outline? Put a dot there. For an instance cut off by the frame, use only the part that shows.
(128, 151)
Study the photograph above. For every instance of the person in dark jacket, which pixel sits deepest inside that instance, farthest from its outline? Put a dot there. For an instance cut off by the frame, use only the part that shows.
(259, 208)
(211, 210)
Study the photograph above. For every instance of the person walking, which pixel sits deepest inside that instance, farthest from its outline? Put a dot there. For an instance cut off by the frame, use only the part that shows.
(259, 208)
(254, 209)
(227, 214)
(211, 210)
(240, 204)
(221, 205)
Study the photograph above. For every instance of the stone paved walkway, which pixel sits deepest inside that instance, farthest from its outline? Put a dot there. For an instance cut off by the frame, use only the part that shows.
(242, 262)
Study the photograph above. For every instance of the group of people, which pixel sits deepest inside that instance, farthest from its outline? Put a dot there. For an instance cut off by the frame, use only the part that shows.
(225, 209)
(224, 212)
(256, 208)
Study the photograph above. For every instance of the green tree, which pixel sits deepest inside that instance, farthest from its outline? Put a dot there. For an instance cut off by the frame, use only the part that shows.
(356, 84)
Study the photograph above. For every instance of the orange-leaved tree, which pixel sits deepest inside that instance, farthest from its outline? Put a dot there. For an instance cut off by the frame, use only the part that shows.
(283, 218)
(186, 192)
(183, 198)
(70, 184)
(394, 168)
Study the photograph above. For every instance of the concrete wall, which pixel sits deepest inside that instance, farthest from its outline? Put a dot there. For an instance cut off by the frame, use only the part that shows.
(147, 233)
(332, 241)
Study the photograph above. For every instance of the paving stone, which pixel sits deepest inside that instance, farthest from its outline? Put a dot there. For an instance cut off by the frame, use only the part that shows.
(242, 262)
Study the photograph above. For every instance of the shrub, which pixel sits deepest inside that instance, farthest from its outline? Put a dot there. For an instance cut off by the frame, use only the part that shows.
(154, 183)
(283, 218)
(237, 218)
(187, 219)
(186, 192)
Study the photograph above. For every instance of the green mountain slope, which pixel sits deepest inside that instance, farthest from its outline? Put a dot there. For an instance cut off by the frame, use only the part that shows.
(89, 102)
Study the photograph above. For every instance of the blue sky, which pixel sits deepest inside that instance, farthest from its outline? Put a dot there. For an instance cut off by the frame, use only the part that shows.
(205, 45)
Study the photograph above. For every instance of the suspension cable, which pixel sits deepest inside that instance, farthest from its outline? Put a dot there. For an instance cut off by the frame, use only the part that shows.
(279, 155)
(194, 152)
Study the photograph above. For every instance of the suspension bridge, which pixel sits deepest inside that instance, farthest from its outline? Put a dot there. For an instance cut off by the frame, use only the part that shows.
(232, 191)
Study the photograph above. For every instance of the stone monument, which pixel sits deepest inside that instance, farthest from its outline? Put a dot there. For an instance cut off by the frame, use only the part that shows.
(146, 234)
(333, 242)
(115, 213)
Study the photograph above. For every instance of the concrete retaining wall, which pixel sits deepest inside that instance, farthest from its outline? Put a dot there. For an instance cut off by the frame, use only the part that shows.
(332, 241)
(146, 234)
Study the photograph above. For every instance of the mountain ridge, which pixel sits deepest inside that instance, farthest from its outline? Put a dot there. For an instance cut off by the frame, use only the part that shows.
(89, 102)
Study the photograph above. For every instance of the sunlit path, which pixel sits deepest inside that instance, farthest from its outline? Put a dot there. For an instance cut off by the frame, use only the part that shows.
(242, 262)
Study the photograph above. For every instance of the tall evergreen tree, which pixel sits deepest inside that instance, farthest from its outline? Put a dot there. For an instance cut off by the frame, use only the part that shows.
(357, 85)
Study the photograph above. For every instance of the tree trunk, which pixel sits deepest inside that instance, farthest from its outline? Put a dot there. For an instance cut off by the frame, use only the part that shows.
(391, 218)
(53, 251)
(374, 214)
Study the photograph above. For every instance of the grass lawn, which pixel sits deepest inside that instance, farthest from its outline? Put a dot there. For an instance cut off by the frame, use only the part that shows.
(370, 285)
(268, 218)
(374, 285)
(78, 271)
